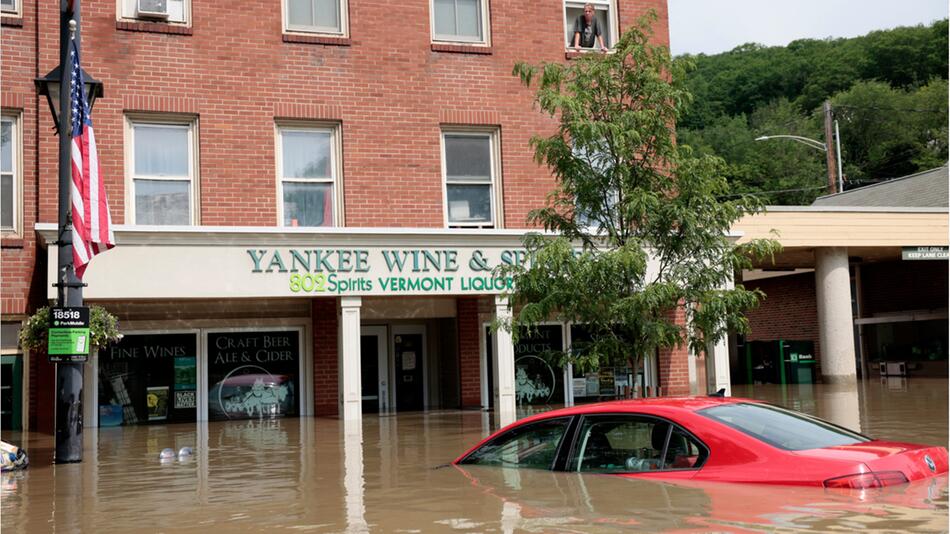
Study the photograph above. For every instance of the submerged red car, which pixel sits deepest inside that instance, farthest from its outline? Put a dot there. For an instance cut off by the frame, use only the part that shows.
(705, 438)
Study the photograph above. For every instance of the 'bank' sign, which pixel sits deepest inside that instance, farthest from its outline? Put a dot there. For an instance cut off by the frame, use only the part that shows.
(378, 271)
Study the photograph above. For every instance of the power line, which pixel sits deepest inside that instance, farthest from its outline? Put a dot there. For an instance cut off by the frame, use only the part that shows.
(762, 193)
(878, 108)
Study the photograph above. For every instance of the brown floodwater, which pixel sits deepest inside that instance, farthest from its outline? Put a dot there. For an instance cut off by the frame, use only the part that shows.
(320, 475)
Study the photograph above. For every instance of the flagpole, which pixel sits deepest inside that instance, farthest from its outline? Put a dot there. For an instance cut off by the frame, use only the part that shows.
(69, 288)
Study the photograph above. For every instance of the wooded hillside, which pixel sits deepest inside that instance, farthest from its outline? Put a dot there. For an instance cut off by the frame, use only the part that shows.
(888, 91)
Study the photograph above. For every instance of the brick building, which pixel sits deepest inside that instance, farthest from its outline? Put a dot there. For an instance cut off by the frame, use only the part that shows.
(307, 198)
(862, 280)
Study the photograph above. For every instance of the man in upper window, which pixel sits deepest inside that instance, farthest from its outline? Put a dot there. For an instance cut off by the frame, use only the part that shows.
(587, 29)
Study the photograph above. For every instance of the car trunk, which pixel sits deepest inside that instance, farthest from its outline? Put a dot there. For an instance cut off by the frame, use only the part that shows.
(890, 456)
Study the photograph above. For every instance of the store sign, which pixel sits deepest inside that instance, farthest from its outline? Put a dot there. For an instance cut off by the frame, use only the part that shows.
(68, 339)
(199, 263)
(386, 271)
(924, 253)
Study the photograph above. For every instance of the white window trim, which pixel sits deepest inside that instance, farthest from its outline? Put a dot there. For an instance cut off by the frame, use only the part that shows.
(120, 14)
(190, 122)
(16, 117)
(16, 12)
(496, 197)
(336, 167)
(485, 41)
(612, 25)
(343, 32)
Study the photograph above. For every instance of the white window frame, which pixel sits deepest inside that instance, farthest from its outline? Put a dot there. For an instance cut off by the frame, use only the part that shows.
(191, 123)
(15, 12)
(454, 39)
(612, 26)
(336, 167)
(496, 197)
(16, 151)
(127, 10)
(343, 32)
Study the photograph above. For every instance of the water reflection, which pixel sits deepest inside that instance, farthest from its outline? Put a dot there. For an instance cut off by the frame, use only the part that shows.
(325, 475)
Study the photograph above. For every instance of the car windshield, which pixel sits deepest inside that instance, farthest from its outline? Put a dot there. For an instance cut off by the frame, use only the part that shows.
(782, 428)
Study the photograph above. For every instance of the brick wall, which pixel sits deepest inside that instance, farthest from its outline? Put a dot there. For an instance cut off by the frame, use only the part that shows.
(325, 356)
(468, 351)
(387, 86)
(789, 310)
(673, 364)
(904, 285)
(18, 97)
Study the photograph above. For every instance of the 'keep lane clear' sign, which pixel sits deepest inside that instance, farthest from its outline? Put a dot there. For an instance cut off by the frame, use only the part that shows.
(924, 253)
(68, 340)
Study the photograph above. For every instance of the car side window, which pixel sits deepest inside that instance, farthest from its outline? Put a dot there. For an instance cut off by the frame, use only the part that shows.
(534, 446)
(629, 444)
(683, 452)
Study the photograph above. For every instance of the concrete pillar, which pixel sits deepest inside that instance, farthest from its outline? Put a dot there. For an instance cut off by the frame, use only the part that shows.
(90, 393)
(717, 361)
(503, 368)
(717, 367)
(842, 406)
(351, 394)
(835, 322)
(353, 481)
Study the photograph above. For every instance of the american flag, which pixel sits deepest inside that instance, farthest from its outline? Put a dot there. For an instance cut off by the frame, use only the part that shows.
(92, 224)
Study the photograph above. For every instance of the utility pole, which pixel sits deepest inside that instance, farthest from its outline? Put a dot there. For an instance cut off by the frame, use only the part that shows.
(68, 374)
(831, 154)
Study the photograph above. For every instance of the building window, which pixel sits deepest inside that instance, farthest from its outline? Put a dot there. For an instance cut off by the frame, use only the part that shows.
(460, 21)
(604, 20)
(173, 11)
(308, 161)
(162, 169)
(470, 170)
(11, 197)
(316, 16)
(10, 7)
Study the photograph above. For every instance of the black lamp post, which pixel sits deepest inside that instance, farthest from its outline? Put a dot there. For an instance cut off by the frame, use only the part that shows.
(69, 287)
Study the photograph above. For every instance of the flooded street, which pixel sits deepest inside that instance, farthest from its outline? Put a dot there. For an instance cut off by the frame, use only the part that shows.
(318, 475)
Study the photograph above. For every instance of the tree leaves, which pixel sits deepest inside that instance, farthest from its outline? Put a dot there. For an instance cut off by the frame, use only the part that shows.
(640, 225)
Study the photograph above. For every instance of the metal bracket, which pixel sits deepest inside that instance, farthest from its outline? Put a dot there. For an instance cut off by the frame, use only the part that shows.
(69, 284)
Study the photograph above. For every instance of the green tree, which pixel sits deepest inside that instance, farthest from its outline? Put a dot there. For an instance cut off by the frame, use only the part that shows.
(638, 224)
(887, 132)
(777, 171)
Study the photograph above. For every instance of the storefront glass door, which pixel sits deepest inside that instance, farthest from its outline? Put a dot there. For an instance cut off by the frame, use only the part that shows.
(409, 367)
(374, 369)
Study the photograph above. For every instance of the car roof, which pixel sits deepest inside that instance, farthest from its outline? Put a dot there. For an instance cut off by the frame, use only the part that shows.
(652, 405)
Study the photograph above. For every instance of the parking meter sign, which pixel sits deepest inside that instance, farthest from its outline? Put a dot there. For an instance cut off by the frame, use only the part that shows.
(68, 339)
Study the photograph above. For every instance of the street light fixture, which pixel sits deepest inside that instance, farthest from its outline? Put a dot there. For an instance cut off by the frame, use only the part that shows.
(49, 85)
(803, 140)
(818, 145)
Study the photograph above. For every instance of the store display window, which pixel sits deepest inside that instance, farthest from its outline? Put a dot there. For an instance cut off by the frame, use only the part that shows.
(539, 380)
(605, 383)
(149, 378)
(253, 374)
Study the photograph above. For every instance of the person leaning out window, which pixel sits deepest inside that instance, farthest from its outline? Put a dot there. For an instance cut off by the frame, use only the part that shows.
(587, 30)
